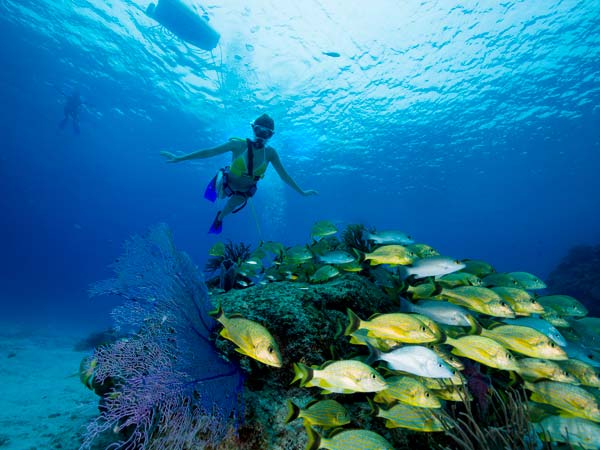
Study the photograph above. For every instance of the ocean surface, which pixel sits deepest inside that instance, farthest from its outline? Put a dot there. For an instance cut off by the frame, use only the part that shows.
(473, 126)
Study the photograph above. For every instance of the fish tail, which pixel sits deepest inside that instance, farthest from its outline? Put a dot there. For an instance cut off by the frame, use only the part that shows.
(314, 439)
(403, 272)
(373, 408)
(475, 326)
(217, 313)
(405, 305)
(293, 411)
(449, 340)
(302, 373)
(353, 323)
(374, 354)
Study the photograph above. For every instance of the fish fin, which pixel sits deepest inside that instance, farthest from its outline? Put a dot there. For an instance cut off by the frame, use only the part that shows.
(403, 272)
(353, 322)
(374, 354)
(476, 327)
(374, 409)
(293, 411)
(405, 305)
(243, 352)
(314, 439)
(335, 431)
(449, 341)
(535, 397)
(217, 313)
(302, 373)
(225, 334)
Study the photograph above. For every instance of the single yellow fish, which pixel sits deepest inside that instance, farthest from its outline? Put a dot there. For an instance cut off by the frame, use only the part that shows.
(347, 440)
(252, 338)
(527, 341)
(401, 327)
(484, 350)
(391, 254)
(571, 399)
(323, 413)
(342, 377)
(521, 301)
(407, 390)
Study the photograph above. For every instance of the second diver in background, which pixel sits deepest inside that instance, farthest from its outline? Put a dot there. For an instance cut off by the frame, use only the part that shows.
(71, 110)
(249, 161)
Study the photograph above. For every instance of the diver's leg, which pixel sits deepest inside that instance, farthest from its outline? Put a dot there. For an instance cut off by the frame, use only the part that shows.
(234, 202)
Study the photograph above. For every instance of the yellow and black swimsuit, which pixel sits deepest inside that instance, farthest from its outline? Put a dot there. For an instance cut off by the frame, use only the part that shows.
(240, 166)
(243, 164)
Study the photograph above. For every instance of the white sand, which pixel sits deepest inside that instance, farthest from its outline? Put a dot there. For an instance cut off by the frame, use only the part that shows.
(43, 405)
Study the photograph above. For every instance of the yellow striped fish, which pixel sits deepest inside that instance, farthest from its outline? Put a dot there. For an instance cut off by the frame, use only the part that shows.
(323, 413)
(407, 390)
(484, 350)
(347, 440)
(571, 399)
(526, 341)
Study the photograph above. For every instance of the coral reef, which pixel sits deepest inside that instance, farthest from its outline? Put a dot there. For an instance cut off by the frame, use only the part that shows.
(353, 237)
(165, 386)
(174, 384)
(227, 265)
(578, 275)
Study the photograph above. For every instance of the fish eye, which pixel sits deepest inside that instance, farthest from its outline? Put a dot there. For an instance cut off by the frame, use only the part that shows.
(373, 376)
(503, 304)
(423, 328)
(440, 365)
(426, 394)
(509, 356)
(552, 344)
(270, 349)
(533, 301)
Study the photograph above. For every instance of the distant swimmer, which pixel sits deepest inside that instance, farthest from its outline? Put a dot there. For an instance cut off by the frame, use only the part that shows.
(71, 110)
(249, 161)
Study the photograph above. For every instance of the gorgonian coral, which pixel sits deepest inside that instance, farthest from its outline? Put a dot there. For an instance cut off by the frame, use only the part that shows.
(170, 389)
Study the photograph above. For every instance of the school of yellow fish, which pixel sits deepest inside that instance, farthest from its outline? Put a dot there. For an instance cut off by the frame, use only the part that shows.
(447, 309)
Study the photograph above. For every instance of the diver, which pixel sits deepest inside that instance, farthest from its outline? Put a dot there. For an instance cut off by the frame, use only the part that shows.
(71, 109)
(249, 161)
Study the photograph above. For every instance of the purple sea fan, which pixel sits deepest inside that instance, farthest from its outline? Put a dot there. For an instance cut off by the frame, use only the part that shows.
(168, 388)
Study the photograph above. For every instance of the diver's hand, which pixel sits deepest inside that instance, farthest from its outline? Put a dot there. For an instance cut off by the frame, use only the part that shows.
(310, 192)
(171, 157)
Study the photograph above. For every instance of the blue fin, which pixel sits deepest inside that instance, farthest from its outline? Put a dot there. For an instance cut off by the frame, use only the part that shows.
(211, 190)
(217, 225)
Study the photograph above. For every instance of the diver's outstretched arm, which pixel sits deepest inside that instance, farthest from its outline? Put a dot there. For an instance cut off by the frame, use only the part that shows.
(200, 154)
(274, 159)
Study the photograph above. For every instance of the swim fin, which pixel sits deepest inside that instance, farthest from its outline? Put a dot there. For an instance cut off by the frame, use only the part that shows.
(217, 225)
(211, 190)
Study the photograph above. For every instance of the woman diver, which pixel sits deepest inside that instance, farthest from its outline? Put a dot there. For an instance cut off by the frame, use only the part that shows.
(249, 161)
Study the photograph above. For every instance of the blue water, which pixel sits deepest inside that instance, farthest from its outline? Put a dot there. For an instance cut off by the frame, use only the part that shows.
(474, 126)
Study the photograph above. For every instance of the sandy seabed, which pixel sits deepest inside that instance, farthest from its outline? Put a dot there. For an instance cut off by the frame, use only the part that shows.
(43, 405)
